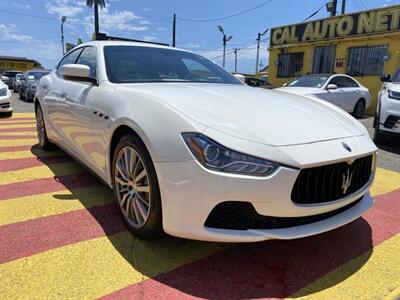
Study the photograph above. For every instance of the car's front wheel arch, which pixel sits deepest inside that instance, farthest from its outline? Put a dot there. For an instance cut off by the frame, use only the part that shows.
(124, 137)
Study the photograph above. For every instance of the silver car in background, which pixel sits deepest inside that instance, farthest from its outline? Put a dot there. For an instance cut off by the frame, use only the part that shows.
(339, 89)
(28, 86)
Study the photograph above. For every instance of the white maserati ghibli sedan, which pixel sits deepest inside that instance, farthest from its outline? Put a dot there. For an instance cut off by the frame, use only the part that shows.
(191, 151)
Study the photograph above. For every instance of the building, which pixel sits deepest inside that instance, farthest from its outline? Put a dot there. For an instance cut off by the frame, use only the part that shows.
(17, 63)
(364, 45)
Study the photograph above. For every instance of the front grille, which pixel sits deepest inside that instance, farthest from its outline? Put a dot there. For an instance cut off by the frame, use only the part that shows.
(242, 216)
(391, 121)
(5, 105)
(331, 182)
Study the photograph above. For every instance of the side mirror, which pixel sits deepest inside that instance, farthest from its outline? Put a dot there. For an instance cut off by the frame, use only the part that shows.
(77, 72)
(332, 87)
(386, 78)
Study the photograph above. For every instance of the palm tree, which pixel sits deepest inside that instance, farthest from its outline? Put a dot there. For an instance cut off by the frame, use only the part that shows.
(96, 4)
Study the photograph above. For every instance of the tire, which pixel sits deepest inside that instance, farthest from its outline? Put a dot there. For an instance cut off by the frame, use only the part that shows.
(20, 94)
(41, 130)
(359, 109)
(379, 138)
(136, 188)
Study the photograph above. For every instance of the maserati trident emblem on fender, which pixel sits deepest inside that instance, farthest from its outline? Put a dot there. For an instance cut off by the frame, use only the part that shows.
(346, 181)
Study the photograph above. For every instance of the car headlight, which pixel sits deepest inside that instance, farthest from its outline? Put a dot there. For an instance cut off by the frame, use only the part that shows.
(3, 92)
(219, 158)
(394, 95)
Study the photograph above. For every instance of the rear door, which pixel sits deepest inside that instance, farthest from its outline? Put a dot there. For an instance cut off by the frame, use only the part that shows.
(352, 92)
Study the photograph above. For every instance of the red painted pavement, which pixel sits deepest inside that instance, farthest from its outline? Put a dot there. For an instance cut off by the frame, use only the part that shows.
(22, 163)
(274, 269)
(26, 238)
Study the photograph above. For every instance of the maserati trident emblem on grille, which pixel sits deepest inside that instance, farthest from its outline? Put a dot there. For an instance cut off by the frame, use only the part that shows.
(346, 181)
(347, 147)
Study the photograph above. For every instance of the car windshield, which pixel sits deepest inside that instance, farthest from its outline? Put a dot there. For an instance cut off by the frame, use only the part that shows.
(315, 81)
(10, 74)
(129, 64)
(36, 75)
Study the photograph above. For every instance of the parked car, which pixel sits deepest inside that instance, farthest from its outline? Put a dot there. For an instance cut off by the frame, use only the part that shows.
(338, 89)
(17, 82)
(192, 151)
(5, 99)
(387, 117)
(28, 86)
(8, 77)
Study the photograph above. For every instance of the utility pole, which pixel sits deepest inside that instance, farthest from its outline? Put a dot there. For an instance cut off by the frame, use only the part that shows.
(343, 7)
(332, 7)
(96, 19)
(63, 19)
(258, 47)
(235, 50)
(224, 40)
(174, 31)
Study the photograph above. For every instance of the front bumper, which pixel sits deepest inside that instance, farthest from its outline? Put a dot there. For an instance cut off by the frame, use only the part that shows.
(389, 108)
(5, 103)
(189, 192)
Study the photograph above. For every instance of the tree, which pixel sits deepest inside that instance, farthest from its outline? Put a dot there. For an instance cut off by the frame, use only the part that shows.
(96, 4)
(79, 41)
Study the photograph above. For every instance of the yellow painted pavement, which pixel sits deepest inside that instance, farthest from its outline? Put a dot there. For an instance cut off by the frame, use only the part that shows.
(41, 172)
(385, 181)
(43, 205)
(11, 126)
(20, 142)
(376, 279)
(96, 267)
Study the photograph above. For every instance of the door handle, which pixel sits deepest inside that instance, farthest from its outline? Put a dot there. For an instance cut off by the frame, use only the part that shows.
(63, 96)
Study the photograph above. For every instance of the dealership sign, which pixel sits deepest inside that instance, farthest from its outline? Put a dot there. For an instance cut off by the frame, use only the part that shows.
(376, 21)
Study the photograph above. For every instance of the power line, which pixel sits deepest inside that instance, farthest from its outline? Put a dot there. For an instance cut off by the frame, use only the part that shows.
(314, 13)
(226, 17)
(362, 4)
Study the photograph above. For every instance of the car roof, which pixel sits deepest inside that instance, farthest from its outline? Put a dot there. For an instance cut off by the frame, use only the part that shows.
(128, 43)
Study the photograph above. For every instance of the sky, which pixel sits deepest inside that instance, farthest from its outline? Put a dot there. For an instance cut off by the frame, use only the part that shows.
(31, 28)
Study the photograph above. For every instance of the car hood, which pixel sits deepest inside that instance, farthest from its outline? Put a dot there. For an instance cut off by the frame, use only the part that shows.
(257, 115)
(394, 86)
(299, 90)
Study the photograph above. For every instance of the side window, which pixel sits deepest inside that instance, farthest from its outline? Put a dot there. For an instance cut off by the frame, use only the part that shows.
(396, 77)
(69, 59)
(337, 81)
(348, 82)
(89, 58)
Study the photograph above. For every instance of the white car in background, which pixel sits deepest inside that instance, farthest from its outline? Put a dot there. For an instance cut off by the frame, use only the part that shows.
(5, 99)
(387, 118)
(192, 151)
(338, 89)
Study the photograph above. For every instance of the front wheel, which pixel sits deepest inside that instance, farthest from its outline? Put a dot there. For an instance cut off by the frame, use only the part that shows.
(359, 109)
(136, 188)
(379, 138)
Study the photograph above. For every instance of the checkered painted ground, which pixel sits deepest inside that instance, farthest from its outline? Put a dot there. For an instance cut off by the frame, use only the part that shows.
(61, 236)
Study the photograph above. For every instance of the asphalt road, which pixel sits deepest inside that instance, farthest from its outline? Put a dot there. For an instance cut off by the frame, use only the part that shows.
(388, 156)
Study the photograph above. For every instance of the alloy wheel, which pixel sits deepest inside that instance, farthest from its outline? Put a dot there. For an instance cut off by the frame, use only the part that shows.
(132, 186)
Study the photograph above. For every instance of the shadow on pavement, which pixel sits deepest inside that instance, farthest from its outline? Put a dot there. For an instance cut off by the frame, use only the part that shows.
(256, 270)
